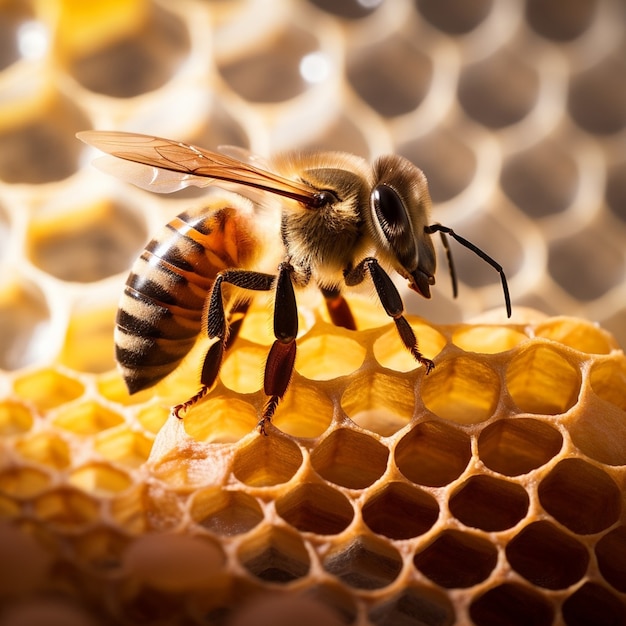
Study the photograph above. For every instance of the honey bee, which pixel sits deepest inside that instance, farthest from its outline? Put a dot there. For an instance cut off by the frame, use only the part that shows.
(322, 218)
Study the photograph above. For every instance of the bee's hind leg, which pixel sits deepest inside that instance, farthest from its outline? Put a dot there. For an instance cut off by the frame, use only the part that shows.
(221, 329)
(338, 309)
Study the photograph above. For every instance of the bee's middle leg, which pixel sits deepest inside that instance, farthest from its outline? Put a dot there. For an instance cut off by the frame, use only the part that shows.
(219, 328)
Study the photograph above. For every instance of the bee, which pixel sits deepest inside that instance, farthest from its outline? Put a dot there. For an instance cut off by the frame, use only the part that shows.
(323, 218)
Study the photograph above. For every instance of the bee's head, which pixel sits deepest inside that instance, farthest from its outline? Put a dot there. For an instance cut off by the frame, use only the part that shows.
(400, 211)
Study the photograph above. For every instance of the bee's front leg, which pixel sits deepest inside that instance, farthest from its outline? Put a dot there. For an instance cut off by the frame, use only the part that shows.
(280, 360)
(392, 303)
(217, 326)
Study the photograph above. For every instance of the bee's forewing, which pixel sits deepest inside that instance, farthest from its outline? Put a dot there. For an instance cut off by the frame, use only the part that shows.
(191, 162)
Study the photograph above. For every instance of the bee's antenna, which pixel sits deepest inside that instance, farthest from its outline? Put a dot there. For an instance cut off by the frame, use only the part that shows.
(443, 231)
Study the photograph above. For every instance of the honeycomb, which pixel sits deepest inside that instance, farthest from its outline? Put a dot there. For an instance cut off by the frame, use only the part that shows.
(490, 492)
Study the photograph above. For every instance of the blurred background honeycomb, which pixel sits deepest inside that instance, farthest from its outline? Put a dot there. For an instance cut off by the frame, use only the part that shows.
(495, 495)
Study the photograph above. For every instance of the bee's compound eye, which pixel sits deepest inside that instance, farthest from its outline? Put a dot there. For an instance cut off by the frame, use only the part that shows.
(391, 214)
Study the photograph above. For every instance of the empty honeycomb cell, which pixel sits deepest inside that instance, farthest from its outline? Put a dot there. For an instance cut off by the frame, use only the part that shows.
(221, 419)
(463, 389)
(597, 96)
(580, 496)
(400, 511)
(391, 353)
(313, 408)
(578, 334)
(275, 555)
(511, 604)
(25, 323)
(611, 555)
(518, 446)
(456, 17)
(561, 20)
(414, 606)
(153, 417)
(315, 508)
(456, 559)
(171, 563)
(243, 369)
(15, 418)
(328, 356)
(344, 135)
(130, 64)
(616, 190)
(265, 461)
(546, 556)
(540, 380)
(122, 445)
(133, 510)
(391, 93)
(225, 511)
(433, 454)
(487, 339)
(24, 482)
(67, 509)
(272, 73)
(42, 149)
(364, 563)
(499, 90)
(608, 381)
(87, 418)
(489, 503)
(448, 162)
(542, 180)
(86, 243)
(380, 403)
(99, 479)
(593, 604)
(350, 459)
(45, 448)
(48, 388)
(101, 549)
(96, 329)
(588, 264)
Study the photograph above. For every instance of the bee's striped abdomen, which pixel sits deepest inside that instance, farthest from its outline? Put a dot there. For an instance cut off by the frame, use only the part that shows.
(161, 309)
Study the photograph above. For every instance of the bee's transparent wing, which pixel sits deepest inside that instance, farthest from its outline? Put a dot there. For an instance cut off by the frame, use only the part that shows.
(179, 165)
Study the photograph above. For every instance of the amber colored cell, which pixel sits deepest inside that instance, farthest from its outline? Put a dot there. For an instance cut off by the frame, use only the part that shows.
(221, 419)
(457, 559)
(350, 459)
(305, 411)
(130, 448)
(378, 402)
(45, 448)
(423, 606)
(547, 557)
(328, 356)
(515, 447)
(487, 339)
(593, 604)
(540, 380)
(578, 334)
(489, 503)
(611, 554)
(364, 563)
(581, 496)
(400, 511)
(225, 512)
(433, 454)
(391, 353)
(48, 388)
(512, 604)
(87, 418)
(265, 461)
(99, 479)
(608, 381)
(153, 417)
(315, 508)
(242, 370)
(15, 418)
(23, 482)
(275, 555)
(464, 390)
(67, 509)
